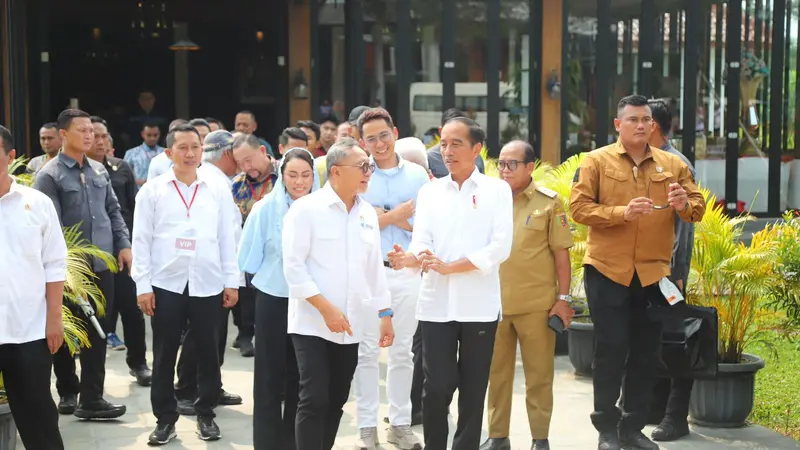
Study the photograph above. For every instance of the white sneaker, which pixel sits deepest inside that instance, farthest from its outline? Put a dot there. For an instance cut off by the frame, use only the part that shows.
(403, 437)
(368, 439)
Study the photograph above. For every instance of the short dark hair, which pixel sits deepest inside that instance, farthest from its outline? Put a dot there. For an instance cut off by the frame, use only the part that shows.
(98, 119)
(374, 114)
(149, 124)
(177, 122)
(182, 128)
(250, 113)
(329, 118)
(297, 153)
(452, 113)
(631, 100)
(310, 125)
(292, 133)
(211, 120)
(529, 155)
(66, 117)
(199, 123)
(7, 139)
(661, 114)
(476, 133)
(50, 126)
(250, 140)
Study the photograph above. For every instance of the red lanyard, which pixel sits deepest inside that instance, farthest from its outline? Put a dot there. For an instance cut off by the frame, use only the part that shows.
(253, 191)
(187, 205)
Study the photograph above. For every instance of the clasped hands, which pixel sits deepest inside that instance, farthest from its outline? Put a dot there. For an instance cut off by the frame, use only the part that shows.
(642, 206)
(425, 260)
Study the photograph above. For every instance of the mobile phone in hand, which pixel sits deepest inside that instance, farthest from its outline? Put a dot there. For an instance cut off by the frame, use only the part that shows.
(556, 324)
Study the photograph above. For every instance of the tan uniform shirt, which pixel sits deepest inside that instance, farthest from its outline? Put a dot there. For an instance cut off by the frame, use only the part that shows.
(528, 280)
(606, 182)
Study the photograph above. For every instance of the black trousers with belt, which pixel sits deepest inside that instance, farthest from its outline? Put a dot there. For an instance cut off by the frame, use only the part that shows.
(275, 372)
(456, 355)
(627, 342)
(326, 371)
(418, 378)
(132, 319)
(171, 313)
(26, 375)
(93, 359)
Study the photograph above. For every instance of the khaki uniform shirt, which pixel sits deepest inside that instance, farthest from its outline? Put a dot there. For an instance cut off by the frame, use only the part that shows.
(528, 280)
(606, 182)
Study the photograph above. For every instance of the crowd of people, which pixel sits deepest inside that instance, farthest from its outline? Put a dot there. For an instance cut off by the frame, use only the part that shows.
(346, 240)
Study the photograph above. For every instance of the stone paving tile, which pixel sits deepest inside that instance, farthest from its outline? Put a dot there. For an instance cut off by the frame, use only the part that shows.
(570, 427)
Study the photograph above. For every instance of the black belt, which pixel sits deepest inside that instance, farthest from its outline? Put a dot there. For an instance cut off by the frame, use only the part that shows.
(387, 264)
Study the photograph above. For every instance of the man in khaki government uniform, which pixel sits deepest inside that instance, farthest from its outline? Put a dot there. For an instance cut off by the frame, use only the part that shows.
(535, 283)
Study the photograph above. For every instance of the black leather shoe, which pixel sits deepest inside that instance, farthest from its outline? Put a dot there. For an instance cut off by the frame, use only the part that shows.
(143, 375)
(670, 430)
(635, 440)
(496, 444)
(186, 407)
(235, 342)
(540, 444)
(246, 348)
(228, 399)
(608, 440)
(207, 429)
(67, 404)
(162, 434)
(99, 409)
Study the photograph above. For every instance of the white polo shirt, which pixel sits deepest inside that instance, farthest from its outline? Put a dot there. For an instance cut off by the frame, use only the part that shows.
(476, 222)
(32, 254)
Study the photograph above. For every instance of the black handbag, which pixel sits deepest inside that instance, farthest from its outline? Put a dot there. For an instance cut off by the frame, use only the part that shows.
(689, 343)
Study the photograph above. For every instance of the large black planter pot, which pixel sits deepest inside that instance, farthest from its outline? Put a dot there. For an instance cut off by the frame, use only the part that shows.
(8, 431)
(581, 347)
(725, 402)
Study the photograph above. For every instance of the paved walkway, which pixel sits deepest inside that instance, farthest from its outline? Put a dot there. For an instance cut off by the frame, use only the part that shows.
(570, 429)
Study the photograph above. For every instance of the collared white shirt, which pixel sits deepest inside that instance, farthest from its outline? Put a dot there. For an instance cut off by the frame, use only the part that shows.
(159, 165)
(163, 236)
(328, 251)
(32, 254)
(476, 222)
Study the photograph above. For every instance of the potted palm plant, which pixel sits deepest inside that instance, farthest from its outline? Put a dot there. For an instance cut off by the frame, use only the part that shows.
(735, 279)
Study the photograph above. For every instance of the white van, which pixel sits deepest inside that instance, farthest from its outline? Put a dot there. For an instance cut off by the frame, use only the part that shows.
(426, 104)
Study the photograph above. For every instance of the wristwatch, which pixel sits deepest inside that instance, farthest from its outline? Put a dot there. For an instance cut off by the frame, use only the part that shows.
(386, 313)
(566, 297)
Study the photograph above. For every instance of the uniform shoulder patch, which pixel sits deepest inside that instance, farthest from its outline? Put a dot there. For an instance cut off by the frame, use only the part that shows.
(548, 192)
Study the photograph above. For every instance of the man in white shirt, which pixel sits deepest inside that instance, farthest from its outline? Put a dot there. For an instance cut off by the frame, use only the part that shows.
(185, 269)
(333, 264)
(32, 274)
(218, 166)
(462, 233)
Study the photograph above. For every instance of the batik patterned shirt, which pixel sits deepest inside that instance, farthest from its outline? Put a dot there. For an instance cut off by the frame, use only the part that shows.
(139, 159)
(246, 192)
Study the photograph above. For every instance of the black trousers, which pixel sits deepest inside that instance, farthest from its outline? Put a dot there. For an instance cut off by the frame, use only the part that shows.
(418, 378)
(186, 387)
(93, 359)
(26, 374)
(132, 319)
(326, 372)
(671, 400)
(275, 372)
(627, 342)
(244, 313)
(456, 355)
(172, 311)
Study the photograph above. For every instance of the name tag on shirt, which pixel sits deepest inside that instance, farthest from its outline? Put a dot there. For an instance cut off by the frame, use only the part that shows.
(185, 246)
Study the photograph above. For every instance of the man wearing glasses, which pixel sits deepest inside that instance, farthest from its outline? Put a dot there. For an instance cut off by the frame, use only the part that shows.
(392, 192)
(627, 193)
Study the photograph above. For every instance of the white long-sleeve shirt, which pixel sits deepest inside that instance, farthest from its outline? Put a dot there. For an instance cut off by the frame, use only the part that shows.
(476, 222)
(328, 251)
(32, 254)
(171, 249)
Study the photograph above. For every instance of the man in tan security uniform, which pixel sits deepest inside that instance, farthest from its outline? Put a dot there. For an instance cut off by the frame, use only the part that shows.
(535, 282)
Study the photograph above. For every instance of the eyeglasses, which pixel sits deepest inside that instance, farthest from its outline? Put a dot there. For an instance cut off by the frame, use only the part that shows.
(661, 191)
(366, 167)
(512, 164)
(384, 137)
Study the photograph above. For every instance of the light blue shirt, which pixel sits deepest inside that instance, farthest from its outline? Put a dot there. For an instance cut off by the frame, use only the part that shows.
(260, 247)
(140, 157)
(388, 189)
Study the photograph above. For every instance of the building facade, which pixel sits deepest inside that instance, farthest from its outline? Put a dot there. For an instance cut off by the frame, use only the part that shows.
(548, 71)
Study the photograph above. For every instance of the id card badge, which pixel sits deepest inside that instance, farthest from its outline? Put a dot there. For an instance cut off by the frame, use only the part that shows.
(186, 241)
(670, 291)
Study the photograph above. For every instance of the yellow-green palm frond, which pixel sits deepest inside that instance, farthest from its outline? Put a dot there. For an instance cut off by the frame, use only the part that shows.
(18, 164)
(75, 333)
(560, 178)
(81, 280)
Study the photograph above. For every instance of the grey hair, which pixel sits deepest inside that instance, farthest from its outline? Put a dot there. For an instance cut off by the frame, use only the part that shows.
(412, 150)
(213, 157)
(338, 153)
